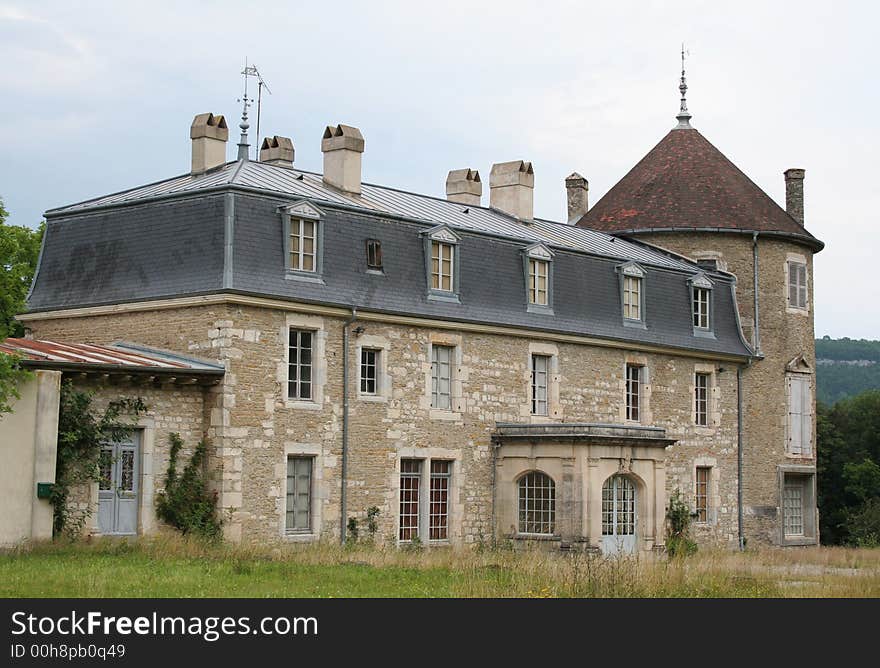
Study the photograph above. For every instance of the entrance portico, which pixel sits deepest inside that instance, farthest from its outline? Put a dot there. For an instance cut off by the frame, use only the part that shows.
(599, 486)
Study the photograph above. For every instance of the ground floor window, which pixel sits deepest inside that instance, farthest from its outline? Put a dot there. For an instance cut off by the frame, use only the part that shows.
(618, 507)
(416, 514)
(299, 495)
(798, 505)
(537, 504)
(701, 493)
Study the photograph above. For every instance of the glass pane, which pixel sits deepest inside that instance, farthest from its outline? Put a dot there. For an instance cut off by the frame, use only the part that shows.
(126, 470)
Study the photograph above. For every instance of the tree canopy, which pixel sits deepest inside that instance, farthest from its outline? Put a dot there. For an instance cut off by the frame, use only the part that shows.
(19, 250)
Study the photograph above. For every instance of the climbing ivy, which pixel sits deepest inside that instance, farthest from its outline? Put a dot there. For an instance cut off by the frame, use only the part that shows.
(82, 430)
(186, 503)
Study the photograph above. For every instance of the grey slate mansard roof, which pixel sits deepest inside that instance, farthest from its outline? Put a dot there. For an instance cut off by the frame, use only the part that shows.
(168, 239)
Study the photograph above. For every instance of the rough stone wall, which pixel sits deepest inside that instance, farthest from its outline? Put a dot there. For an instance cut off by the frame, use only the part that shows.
(784, 334)
(170, 409)
(253, 427)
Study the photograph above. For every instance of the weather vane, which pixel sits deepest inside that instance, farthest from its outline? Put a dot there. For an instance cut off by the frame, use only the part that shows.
(252, 71)
(684, 116)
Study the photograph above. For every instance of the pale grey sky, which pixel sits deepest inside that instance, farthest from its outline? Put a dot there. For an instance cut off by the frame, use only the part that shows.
(98, 97)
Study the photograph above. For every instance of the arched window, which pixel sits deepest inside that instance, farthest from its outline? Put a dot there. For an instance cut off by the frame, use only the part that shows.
(536, 500)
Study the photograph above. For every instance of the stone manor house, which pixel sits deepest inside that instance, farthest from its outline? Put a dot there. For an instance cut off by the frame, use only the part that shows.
(472, 371)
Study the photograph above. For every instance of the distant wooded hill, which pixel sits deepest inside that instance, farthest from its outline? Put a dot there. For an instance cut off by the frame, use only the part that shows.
(846, 367)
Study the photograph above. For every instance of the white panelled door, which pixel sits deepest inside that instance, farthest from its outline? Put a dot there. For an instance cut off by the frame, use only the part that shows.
(118, 489)
(618, 516)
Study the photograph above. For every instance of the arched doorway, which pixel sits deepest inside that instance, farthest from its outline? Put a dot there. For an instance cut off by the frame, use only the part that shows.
(619, 519)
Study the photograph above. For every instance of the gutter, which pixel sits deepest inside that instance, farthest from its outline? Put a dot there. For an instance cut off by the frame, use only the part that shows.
(757, 328)
(739, 456)
(344, 475)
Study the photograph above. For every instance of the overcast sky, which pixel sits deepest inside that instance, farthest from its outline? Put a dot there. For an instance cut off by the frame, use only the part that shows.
(98, 97)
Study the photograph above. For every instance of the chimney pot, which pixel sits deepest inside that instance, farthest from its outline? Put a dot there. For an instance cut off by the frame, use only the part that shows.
(342, 146)
(794, 193)
(464, 186)
(277, 151)
(512, 187)
(209, 135)
(577, 189)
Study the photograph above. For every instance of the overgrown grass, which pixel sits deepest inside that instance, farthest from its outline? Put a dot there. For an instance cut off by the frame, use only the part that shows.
(170, 566)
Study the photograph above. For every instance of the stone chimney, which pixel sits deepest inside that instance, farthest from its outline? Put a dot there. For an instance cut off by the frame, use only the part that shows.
(794, 194)
(576, 188)
(464, 186)
(512, 188)
(209, 135)
(277, 151)
(342, 147)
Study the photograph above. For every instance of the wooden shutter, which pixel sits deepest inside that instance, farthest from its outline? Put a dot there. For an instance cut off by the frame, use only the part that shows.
(800, 415)
(806, 416)
(795, 415)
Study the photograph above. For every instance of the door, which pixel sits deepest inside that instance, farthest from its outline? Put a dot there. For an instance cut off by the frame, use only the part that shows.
(118, 488)
(618, 516)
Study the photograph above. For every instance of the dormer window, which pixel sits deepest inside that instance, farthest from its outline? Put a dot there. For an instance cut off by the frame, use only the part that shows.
(538, 265)
(701, 305)
(303, 237)
(442, 263)
(374, 255)
(302, 244)
(632, 294)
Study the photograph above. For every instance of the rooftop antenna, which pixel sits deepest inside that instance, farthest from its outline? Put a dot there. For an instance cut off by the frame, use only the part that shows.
(252, 71)
(243, 147)
(684, 116)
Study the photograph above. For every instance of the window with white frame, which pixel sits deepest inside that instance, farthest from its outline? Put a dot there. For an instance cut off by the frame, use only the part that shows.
(441, 376)
(797, 285)
(701, 308)
(438, 515)
(300, 365)
(701, 398)
(540, 384)
(632, 298)
(539, 277)
(410, 485)
(370, 371)
(800, 415)
(703, 474)
(442, 266)
(634, 374)
(418, 520)
(536, 501)
(298, 517)
(303, 244)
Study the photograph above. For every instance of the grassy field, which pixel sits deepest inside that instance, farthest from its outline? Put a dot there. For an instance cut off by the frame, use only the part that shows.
(172, 567)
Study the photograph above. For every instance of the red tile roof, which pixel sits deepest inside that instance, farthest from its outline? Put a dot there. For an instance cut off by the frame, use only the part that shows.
(684, 182)
(119, 355)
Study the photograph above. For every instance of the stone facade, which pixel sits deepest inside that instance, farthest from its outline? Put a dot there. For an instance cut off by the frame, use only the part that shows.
(253, 427)
(786, 334)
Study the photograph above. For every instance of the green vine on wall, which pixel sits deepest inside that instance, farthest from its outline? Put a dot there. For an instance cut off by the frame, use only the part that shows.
(678, 518)
(186, 503)
(81, 434)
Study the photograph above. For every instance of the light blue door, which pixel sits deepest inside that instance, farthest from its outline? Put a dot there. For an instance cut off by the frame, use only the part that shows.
(619, 518)
(118, 488)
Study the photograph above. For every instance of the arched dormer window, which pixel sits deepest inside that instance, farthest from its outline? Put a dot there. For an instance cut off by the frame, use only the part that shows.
(536, 502)
(442, 263)
(702, 306)
(632, 294)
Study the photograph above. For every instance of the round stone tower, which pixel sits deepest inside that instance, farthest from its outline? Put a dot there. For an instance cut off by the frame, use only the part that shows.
(687, 197)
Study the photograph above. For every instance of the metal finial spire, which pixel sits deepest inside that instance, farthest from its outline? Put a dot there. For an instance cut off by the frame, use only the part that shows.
(684, 116)
(243, 146)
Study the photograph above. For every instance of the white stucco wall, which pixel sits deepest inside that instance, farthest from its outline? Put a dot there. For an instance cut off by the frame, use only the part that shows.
(27, 451)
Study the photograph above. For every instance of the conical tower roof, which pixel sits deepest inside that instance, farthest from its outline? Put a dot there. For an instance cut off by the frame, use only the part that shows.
(685, 183)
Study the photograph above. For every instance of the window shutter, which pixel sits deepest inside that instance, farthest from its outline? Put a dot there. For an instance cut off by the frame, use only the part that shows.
(806, 417)
(802, 285)
(792, 284)
(795, 412)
